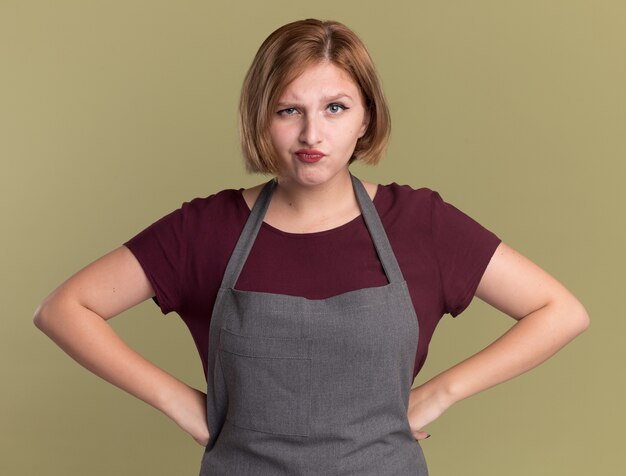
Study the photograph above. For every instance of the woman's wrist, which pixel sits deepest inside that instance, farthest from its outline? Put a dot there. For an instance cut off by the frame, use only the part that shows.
(427, 403)
(170, 396)
(441, 390)
(186, 406)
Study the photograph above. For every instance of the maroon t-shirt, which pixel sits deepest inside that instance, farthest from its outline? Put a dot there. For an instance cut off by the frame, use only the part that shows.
(441, 251)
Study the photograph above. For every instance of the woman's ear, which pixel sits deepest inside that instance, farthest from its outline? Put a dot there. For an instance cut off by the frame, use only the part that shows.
(366, 122)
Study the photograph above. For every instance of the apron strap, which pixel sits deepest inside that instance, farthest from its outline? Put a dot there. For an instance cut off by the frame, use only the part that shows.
(377, 232)
(248, 235)
(255, 220)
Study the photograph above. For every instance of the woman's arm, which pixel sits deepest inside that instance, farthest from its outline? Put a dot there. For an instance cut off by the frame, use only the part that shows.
(548, 316)
(75, 317)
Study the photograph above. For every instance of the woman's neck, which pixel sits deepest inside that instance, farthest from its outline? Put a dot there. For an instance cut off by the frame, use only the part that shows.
(314, 200)
(307, 209)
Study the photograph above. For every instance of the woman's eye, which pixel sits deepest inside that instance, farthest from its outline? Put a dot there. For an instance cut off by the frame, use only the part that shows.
(290, 111)
(335, 108)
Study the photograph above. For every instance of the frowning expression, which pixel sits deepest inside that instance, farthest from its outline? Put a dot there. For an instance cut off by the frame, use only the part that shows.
(316, 124)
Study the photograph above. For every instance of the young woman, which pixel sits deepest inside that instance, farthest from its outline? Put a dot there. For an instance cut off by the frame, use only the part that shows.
(312, 297)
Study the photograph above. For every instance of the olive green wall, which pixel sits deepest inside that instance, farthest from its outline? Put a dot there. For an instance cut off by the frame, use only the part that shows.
(114, 113)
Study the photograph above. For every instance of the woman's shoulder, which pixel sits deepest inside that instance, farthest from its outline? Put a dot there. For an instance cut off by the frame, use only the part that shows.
(222, 201)
(393, 195)
(196, 214)
(409, 206)
(408, 190)
(250, 195)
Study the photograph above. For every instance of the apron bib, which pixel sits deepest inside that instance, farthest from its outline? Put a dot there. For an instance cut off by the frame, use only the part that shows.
(305, 387)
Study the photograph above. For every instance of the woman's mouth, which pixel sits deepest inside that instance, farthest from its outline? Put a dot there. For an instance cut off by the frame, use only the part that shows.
(309, 155)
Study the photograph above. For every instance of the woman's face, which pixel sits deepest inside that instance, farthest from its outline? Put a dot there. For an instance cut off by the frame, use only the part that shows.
(315, 127)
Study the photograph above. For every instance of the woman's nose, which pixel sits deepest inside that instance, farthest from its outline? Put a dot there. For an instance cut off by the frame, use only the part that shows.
(311, 131)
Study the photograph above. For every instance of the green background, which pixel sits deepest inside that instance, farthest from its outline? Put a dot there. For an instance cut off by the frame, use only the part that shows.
(114, 113)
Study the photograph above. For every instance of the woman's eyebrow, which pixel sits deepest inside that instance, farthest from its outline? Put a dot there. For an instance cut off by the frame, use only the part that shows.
(334, 97)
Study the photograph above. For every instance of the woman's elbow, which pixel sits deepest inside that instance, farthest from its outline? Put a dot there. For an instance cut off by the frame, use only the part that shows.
(44, 316)
(583, 318)
(41, 316)
(577, 317)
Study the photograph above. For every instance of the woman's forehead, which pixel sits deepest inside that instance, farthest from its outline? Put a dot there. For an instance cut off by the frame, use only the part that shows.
(324, 80)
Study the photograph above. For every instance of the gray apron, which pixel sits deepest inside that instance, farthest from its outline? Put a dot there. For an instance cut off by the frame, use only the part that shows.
(304, 387)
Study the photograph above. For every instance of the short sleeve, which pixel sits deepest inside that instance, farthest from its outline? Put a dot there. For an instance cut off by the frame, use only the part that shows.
(463, 249)
(161, 250)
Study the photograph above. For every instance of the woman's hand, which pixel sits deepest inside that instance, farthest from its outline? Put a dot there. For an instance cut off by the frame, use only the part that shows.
(188, 410)
(75, 317)
(548, 317)
(425, 406)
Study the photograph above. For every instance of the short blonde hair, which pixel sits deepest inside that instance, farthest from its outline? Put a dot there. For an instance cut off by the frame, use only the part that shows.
(282, 57)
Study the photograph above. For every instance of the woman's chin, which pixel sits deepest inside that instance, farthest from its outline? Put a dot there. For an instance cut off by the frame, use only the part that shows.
(312, 176)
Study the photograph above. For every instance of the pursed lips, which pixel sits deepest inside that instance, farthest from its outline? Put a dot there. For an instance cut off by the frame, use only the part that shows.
(310, 155)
